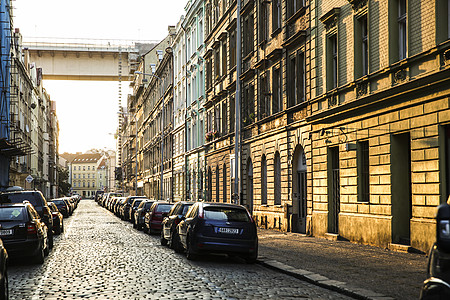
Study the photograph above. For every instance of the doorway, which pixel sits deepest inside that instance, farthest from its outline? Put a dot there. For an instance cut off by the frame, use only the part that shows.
(334, 192)
(299, 185)
(249, 200)
(401, 188)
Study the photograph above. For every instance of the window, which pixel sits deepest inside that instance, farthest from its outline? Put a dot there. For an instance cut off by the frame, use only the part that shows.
(276, 95)
(248, 36)
(263, 21)
(208, 73)
(361, 47)
(276, 15)
(293, 6)
(264, 97)
(263, 180)
(232, 113)
(89, 168)
(332, 62)
(296, 79)
(277, 179)
(217, 118)
(217, 63)
(233, 49)
(224, 118)
(224, 57)
(363, 171)
(248, 104)
(402, 30)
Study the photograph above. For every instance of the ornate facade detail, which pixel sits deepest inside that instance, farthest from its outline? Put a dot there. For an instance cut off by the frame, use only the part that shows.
(330, 19)
(332, 100)
(399, 76)
(362, 89)
(358, 4)
(446, 58)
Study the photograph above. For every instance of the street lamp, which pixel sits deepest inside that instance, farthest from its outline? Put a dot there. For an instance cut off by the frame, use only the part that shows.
(162, 130)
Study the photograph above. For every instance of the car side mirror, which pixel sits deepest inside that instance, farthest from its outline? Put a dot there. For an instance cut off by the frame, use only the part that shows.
(443, 227)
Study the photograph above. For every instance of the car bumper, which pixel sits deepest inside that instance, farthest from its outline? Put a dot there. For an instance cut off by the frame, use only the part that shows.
(22, 248)
(221, 245)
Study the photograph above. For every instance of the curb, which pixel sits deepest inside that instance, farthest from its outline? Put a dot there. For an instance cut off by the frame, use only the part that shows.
(322, 281)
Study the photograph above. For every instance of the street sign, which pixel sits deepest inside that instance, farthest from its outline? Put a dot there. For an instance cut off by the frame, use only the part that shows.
(29, 178)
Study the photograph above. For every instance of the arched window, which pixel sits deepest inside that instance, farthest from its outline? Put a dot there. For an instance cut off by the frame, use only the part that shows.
(217, 184)
(277, 179)
(263, 180)
(224, 179)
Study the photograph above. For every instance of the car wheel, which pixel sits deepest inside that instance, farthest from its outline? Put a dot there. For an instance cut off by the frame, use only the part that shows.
(4, 286)
(190, 255)
(40, 256)
(50, 238)
(47, 249)
(176, 244)
(62, 227)
(163, 240)
(58, 230)
(134, 225)
(145, 229)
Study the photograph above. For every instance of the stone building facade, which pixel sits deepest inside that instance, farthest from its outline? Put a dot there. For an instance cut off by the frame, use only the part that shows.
(379, 113)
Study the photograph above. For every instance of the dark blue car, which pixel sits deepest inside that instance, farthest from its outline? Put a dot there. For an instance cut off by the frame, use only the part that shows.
(211, 227)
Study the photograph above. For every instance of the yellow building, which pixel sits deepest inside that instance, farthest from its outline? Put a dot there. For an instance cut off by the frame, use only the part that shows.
(84, 174)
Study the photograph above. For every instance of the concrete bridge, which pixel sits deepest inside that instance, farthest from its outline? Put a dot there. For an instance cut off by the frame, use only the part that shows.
(86, 59)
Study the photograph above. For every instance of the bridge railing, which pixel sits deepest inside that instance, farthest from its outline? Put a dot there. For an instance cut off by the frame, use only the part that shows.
(80, 44)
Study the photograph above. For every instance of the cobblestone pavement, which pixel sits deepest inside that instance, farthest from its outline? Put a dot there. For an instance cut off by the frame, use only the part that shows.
(101, 257)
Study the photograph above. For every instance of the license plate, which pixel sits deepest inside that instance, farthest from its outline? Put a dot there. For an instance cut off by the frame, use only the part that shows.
(228, 230)
(6, 232)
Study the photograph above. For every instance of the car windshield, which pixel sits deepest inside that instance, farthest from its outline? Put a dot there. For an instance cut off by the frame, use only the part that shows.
(163, 208)
(59, 202)
(226, 214)
(20, 197)
(12, 214)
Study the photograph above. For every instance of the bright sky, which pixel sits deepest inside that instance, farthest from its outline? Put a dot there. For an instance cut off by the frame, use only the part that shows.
(87, 110)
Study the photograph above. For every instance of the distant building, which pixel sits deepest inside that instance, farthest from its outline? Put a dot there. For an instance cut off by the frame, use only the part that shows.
(84, 173)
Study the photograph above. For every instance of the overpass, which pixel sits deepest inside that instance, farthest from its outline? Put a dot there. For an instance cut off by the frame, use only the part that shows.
(86, 59)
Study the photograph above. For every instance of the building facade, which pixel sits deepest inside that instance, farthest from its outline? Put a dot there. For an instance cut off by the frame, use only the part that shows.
(85, 174)
(379, 113)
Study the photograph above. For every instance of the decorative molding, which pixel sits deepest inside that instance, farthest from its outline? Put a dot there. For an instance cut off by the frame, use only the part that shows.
(362, 88)
(330, 19)
(332, 100)
(399, 76)
(446, 57)
(358, 4)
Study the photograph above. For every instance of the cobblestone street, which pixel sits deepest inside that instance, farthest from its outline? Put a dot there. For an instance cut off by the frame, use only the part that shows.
(101, 257)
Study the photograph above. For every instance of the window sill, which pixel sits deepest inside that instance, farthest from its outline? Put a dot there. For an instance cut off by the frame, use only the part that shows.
(276, 32)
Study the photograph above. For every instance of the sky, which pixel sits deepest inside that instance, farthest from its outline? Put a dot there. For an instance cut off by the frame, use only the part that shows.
(87, 110)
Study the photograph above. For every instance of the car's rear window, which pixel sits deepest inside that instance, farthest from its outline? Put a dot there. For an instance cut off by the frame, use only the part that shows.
(186, 208)
(148, 205)
(59, 202)
(20, 197)
(12, 214)
(164, 208)
(136, 203)
(226, 214)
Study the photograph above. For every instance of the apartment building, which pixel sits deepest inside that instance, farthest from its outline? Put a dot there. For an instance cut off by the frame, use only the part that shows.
(379, 113)
(84, 173)
(193, 26)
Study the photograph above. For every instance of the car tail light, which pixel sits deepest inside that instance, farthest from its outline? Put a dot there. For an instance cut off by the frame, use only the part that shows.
(31, 228)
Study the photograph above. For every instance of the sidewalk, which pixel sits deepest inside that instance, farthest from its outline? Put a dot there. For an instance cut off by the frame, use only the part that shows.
(361, 271)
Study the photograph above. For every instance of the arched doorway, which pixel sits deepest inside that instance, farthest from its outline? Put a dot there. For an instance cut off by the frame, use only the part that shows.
(249, 199)
(299, 185)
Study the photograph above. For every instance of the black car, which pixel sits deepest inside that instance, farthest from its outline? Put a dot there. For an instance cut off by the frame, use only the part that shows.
(39, 203)
(23, 232)
(126, 208)
(212, 227)
(58, 223)
(169, 224)
(62, 206)
(139, 214)
(134, 207)
(4, 291)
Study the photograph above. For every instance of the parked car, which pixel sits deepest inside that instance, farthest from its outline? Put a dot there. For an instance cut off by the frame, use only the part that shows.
(39, 203)
(4, 291)
(139, 214)
(126, 208)
(23, 232)
(212, 227)
(118, 204)
(58, 223)
(62, 206)
(134, 207)
(153, 218)
(169, 223)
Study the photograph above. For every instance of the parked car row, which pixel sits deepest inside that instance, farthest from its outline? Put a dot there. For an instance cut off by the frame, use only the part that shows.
(27, 225)
(191, 227)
